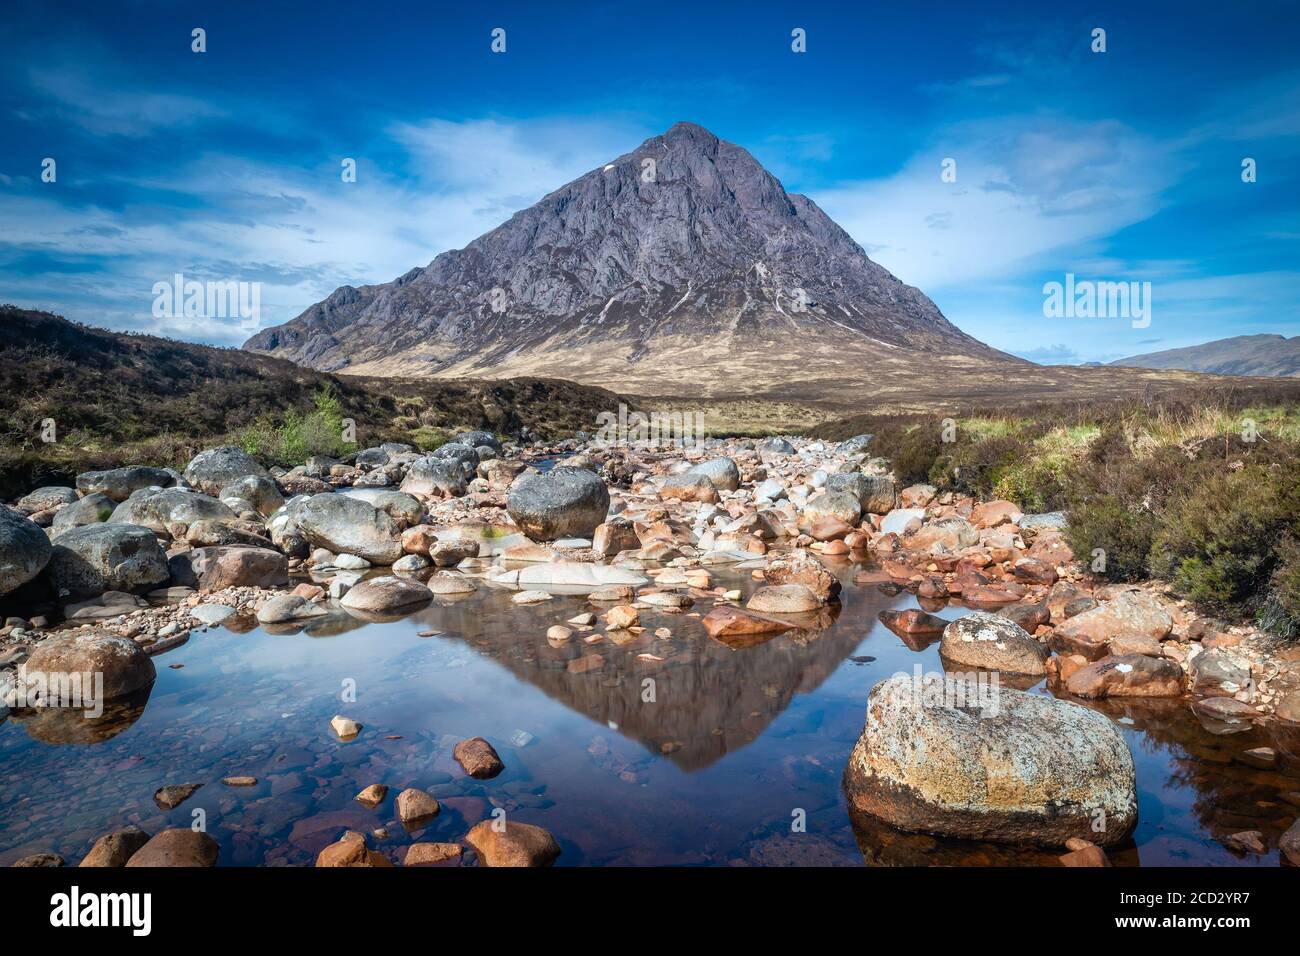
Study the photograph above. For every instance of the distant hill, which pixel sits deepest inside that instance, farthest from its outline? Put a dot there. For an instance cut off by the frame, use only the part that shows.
(119, 399)
(1261, 355)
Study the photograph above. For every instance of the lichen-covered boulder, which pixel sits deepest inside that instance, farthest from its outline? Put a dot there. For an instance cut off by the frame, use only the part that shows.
(562, 503)
(1031, 769)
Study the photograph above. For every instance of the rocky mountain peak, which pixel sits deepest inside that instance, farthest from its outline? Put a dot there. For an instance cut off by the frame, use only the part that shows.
(684, 245)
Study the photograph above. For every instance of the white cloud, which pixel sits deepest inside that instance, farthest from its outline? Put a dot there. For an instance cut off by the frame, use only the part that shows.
(1025, 187)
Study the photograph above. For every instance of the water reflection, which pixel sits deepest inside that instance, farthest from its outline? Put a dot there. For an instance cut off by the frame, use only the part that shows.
(706, 769)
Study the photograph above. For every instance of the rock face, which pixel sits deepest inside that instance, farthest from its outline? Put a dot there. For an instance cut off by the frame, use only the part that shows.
(24, 550)
(96, 558)
(1038, 771)
(211, 470)
(517, 844)
(124, 666)
(562, 503)
(348, 525)
(623, 277)
(992, 642)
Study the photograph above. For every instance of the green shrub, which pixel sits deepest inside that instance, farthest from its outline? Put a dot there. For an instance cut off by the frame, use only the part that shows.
(298, 436)
(1123, 532)
(1219, 543)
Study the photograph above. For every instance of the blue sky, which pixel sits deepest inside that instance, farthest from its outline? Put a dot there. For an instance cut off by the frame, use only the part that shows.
(224, 165)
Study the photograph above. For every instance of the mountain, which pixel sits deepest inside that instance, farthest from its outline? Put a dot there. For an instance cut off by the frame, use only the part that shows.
(682, 266)
(1240, 355)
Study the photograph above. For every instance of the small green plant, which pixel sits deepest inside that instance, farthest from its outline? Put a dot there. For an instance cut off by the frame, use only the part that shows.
(299, 436)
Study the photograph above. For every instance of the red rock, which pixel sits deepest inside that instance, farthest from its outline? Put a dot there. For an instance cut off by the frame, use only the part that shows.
(479, 758)
(1039, 572)
(177, 847)
(514, 844)
(1130, 675)
(1087, 856)
(728, 624)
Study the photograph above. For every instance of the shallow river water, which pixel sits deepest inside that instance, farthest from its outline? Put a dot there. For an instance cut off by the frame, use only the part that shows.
(737, 743)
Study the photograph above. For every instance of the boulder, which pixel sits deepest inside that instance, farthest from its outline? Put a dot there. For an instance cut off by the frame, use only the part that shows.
(214, 469)
(92, 509)
(515, 844)
(118, 484)
(798, 567)
(405, 509)
(114, 849)
(231, 567)
(288, 608)
(1133, 613)
(896, 521)
(416, 808)
(96, 558)
(1216, 672)
(952, 534)
(477, 437)
(835, 504)
(386, 595)
(351, 851)
(177, 847)
(24, 550)
(45, 499)
(431, 475)
(258, 490)
(171, 511)
(349, 526)
(876, 494)
(124, 666)
(721, 472)
(991, 642)
(1036, 770)
(783, 599)
(689, 486)
(479, 758)
(561, 503)
(1127, 675)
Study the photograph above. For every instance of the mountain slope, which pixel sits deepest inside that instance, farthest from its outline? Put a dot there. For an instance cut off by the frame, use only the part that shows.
(1239, 355)
(680, 265)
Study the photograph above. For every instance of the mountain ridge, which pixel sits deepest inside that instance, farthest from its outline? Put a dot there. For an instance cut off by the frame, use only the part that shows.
(1263, 355)
(683, 261)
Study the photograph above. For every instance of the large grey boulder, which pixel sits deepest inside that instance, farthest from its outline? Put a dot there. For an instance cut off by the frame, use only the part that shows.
(119, 483)
(258, 490)
(1028, 769)
(24, 550)
(213, 469)
(347, 525)
(463, 455)
(561, 503)
(833, 504)
(855, 445)
(875, 493)
(951, 534)
(721, 471)
(95, 558)
(430, 475)
(170, 511)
